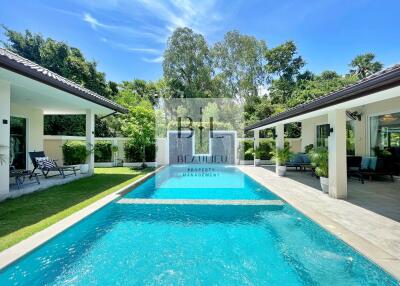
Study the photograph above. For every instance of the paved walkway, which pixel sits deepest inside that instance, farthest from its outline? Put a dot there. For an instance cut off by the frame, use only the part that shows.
(374, 235)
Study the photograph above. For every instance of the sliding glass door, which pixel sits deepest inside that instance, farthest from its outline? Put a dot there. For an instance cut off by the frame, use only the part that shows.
(18, 142)
(384, 133)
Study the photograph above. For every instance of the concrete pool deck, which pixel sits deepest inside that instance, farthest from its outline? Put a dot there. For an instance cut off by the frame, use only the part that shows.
(372, 234)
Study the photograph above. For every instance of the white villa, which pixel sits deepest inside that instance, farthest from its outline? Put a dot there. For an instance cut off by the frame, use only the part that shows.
(370, 109)
(28, 92)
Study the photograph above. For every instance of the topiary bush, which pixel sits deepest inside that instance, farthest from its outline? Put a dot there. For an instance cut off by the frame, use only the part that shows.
(74, 152)
(102, 151)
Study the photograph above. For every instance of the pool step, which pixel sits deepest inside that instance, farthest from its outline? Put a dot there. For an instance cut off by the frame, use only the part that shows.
(200, 202)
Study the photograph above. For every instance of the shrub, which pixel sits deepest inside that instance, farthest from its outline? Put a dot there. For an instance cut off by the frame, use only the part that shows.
(102, 151)
(74, 152)
(265, 149)
(133, 152)
(281, 155)
(319, 160)
(249, 154)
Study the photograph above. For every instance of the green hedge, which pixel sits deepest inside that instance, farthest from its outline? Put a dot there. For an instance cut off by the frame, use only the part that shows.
(133, 152)
(102, 151)
(246, 149)
(74, 152)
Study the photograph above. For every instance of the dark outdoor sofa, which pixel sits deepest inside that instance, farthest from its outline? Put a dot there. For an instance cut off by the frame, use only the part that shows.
(300, 161)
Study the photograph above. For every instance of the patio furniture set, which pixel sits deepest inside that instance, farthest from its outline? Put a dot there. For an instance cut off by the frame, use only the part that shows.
(43, 164)
(357, 166)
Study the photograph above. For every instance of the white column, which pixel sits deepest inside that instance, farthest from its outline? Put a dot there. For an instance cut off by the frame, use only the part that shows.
(90, 138)
(5, 95)
(360, 135)
(279, 140)
(337, 154)
(256, 139)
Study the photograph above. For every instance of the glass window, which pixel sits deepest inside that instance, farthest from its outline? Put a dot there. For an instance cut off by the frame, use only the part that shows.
(322, 135)
(384, 132)
(350, 138)
(18, 142)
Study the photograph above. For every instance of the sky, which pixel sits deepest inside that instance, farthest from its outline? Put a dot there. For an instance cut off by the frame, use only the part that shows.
(127, 37)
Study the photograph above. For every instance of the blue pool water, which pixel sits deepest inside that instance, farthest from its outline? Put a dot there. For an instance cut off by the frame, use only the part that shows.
(202, 182)
(128, 244)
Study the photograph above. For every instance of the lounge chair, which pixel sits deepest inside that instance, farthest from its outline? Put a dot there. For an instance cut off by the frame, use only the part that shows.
(354, 167)
(20, 176)
(46, 165)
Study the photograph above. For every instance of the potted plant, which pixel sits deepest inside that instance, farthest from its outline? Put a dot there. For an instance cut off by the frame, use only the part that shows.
(281, 156)
(76, 153)
(319, 160)
(257, 156)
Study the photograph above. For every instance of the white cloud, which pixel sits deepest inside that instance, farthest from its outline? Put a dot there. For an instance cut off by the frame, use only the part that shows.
(92, 21)
(145, 50)
(154, 60)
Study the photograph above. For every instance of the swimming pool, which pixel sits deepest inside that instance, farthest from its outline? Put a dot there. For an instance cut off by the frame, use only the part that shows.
(172, 244)
(202, 182)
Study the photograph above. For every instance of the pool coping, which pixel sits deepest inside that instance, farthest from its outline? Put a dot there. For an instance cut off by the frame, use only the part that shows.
(377, 255)
(17, 251)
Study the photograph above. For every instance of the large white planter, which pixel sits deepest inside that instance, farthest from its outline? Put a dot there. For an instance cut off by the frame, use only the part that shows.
(84, 168)
(281, 170)
(324, 184)
(257, 162)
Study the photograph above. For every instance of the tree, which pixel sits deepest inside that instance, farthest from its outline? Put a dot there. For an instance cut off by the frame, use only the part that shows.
(144, 89)
(365, 65)
(283, 62)
(139, 125)
(307, 89)
(187, 64)
(68, 62)
(240, 63)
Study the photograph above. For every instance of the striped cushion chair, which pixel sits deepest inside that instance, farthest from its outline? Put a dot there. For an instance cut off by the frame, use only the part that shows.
(46, 165)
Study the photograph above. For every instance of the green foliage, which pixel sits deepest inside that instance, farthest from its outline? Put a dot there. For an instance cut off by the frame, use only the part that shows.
(266, 146)
(74, 152)
(281, 155)
(319, 160)
(187, 64)
(365, 65)
(240, 64)
(308, 148)
(102, 151)
(70, 63)
(134, 153)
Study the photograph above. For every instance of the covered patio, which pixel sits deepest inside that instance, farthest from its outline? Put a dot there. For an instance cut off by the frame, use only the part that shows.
(380, 196)
(27, 93)
(369, 110)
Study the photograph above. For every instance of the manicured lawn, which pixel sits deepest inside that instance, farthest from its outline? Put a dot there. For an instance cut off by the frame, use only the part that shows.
(26, 215)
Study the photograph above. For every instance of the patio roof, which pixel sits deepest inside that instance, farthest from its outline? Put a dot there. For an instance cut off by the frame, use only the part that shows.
(382, 80)
(25, 67)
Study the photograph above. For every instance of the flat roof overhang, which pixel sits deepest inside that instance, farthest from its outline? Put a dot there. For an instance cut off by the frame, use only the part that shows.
(377, 87)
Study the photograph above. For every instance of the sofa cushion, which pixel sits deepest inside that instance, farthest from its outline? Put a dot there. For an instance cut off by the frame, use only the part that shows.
(365, 163)
(372, 163)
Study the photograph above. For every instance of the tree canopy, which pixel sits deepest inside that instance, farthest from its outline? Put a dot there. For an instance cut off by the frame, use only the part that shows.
(240, 67)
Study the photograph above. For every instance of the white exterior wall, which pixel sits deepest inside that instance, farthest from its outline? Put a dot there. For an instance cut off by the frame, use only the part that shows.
(34, 132)
(5, 95)
(309, 129)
